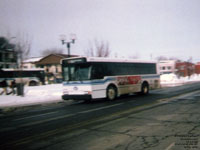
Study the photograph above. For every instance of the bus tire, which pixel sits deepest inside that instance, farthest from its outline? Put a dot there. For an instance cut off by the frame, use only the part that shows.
(111, 92)
(145, 88)
(32, 83)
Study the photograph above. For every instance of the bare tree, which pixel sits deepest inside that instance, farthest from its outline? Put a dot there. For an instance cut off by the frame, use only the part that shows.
(22, 47)
(98, 49)
(190, 67)
(174, 58)
(159, 58)
(5, 43)
(134, 56)
(52, 51)
(21, 44)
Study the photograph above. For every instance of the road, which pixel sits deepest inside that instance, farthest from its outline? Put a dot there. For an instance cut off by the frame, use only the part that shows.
(166, 119)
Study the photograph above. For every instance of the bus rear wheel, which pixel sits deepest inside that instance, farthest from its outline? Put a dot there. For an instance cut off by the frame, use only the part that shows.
(33, 83)
(111, 93)
(145, 89)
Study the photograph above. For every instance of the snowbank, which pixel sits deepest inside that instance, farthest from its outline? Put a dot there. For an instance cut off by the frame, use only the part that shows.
(33, 95)
(170, 80)
(173, 80)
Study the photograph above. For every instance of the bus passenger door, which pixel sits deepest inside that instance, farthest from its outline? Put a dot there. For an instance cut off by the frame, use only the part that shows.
(98, 84)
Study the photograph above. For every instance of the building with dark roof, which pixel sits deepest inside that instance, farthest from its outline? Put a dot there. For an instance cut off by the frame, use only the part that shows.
(52, 66)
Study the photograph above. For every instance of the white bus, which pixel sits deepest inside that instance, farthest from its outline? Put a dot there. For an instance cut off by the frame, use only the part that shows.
(31, 77)
(86, 78)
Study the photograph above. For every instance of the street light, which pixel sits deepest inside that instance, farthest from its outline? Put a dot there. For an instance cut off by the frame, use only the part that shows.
(68, 44)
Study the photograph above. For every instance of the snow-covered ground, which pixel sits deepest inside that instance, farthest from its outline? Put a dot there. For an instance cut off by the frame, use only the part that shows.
(33, 95)
(52, 93)
(168, 80)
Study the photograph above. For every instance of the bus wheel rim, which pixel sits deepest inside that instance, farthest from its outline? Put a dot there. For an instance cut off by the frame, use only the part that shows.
(145, 89)
(111, 94)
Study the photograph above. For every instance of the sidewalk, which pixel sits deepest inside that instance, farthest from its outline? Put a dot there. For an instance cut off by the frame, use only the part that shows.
(33, 96)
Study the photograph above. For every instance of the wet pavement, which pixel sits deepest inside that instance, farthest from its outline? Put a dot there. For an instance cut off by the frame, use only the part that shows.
(172, 125)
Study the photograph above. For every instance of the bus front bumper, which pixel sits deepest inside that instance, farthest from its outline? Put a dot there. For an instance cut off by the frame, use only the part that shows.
(77, 97)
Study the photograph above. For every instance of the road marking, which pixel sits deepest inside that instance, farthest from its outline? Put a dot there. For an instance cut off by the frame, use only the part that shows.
(66, 116)
(91, 110)
(170, 146)
(47, 120)
(28, 117)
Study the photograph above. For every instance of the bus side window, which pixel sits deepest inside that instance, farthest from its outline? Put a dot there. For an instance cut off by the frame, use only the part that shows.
(97, 72)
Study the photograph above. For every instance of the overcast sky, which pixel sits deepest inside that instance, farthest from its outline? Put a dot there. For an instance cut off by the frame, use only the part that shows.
(132, 27)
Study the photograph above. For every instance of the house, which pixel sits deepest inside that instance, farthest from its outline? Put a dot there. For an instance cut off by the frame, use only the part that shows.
(185, 69)
(8, 56)
(177, 67)
(167, 66)
(30, 63)
(52, 66)
(197, 68)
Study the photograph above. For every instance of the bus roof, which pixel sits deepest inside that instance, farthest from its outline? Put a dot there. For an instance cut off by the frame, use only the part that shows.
(103, 59)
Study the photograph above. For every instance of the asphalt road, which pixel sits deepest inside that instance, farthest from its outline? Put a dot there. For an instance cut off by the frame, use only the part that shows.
(167, 118)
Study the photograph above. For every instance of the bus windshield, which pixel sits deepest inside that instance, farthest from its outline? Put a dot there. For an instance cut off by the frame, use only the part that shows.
(77, 72)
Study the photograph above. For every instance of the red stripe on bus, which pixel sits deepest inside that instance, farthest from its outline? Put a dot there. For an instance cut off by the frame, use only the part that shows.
(129, 80)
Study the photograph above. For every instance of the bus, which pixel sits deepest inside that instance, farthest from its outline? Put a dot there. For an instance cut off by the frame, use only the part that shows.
(87, 78)
(31, 77)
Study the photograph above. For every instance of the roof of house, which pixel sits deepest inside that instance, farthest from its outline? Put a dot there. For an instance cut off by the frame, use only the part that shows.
(32, 60)
(53, 59)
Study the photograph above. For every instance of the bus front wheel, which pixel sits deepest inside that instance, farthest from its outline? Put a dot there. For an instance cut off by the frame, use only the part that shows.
(111, 93)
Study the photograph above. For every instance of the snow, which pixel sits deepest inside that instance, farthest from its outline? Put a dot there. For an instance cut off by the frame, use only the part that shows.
(52, 93)
(169, 80)
(34, 59)
(33, 96)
